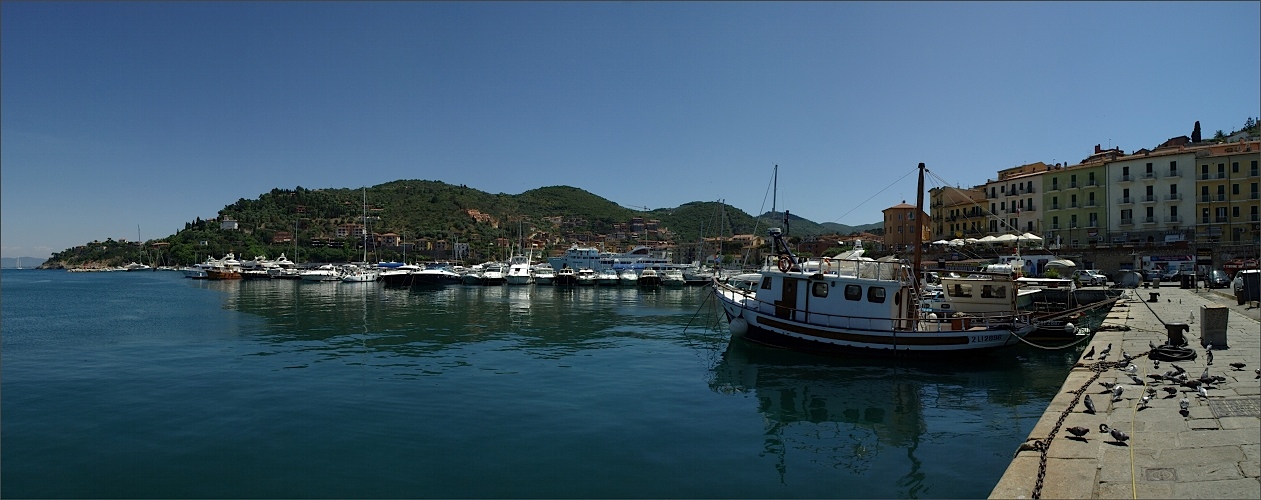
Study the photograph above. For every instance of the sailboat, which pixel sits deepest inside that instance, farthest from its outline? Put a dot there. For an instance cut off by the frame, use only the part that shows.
(361, 273)
(854, 305)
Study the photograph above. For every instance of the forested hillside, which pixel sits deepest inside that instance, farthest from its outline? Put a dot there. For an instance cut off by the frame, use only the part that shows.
(424, 214)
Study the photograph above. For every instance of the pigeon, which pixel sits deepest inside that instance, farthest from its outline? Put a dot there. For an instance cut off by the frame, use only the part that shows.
(1143, 402)
(1090, 354)
(1106, 350)
(1170, 390)
(1117, 435)
(1131, 369)
(1257, 371)
(1203, 392)
(1209, 356)
(1205, 378)
(1192, 384)
(1155, 364)
(1155, 376)
(1184, 404)
(1116, 393)
(1176, 367)
(1209, 347)
(1125, 356)
(1103, 356)
(1090, 405)
(1238, 366)
(1151, 391)
(1137, 381)
(1107, 385)
(1077, 431)
(1151, 345)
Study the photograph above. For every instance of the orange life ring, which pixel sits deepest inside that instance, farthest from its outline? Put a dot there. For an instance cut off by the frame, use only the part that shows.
(827, 264)
(785, 264)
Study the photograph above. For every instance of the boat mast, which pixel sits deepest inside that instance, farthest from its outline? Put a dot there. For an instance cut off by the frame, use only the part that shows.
(918, 238)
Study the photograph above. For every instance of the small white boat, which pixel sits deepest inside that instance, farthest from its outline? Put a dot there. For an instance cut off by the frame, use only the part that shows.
(519, 271)
(607, 277)
(673, 278)
(543, 274)
(628, 277)
(493, 275)
(359, 275)
(585, 277)
(325, 272)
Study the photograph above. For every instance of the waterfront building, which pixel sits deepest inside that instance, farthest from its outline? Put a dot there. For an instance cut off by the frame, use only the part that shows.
(900, 224)
(957, 212)
(1228, 203)
(1014, 207)
(1152, 202)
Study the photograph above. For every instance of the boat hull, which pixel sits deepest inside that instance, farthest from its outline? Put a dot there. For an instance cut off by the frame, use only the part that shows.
(222, 275)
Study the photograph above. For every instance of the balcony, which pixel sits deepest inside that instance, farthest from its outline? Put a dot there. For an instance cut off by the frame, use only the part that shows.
(1254, 196)
(1174, 219)
(1073, 205)
(1204, 176)
(1125, 178)
(1173, 197)
(1092, 224)
(1125, 200)
(1252, 173)
(1055, 226)
(1204, 220)
(1254, 218)
(1148, 198)
(1221, 175)
(1219, 197)
(1149, 220)
(1127, 222)
(1204, 198)
(1072, 225)
(1147, 176)
(1220, 219)
(1173, 173)
(1054, 187)
(1072, 185)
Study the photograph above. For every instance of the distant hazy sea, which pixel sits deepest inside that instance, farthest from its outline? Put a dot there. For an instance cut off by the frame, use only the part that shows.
(147, 385)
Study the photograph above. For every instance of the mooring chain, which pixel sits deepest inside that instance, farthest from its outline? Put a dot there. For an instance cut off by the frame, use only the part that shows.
(1042, 445)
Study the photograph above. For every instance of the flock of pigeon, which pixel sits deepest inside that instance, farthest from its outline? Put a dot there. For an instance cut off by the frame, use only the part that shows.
(1175, 379)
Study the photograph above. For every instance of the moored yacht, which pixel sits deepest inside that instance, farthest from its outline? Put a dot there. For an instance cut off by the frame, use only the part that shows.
(585, 277)
(543, 274)
(566, 276)
(648, 278)
(606, 277)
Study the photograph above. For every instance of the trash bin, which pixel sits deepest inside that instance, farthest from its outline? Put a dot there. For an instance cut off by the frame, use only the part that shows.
(1213, 321)
(1188, 281)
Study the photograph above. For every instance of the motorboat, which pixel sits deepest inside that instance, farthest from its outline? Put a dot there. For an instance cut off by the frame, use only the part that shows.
(855, 305)
(227, 268)
(606, 277)
(628, 277)
(673, 278)
(519, 271)
(493, 275)
(543, 274)
(325, 272)
(585, 277)
(566, 276)
(648, 278)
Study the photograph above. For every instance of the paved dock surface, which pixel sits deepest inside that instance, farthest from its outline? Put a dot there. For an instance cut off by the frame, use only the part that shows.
(1210, 450)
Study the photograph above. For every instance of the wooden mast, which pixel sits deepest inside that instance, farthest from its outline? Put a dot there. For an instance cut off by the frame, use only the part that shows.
(919, 242)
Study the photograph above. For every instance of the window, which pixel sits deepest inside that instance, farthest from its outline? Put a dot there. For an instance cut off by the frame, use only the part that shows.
(1149, 168)
(853, 292)
(875, 294)
(1234, 189)
(1234, 167)
(1173, 189)
(819, 289)
(1092, 178)
(1173, 211)
(766, 283)
(1055, 221)
(1125, 171)
(1173, 167)
(960, 290)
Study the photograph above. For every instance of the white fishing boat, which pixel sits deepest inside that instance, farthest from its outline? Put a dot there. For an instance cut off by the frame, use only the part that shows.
(493, 274)
(855, 305)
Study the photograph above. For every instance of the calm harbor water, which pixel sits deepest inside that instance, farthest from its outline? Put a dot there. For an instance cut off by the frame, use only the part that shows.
(147, 384)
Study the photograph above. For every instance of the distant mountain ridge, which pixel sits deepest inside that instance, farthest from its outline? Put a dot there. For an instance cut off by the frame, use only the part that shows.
(428, 213)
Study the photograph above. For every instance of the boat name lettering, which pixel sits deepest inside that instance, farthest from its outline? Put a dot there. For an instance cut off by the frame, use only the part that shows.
(985, 338)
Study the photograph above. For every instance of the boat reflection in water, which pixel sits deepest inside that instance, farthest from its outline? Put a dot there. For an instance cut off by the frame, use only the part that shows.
(894, 430)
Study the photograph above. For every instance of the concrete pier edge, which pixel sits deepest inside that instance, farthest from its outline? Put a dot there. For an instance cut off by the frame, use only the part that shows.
(1213, 451)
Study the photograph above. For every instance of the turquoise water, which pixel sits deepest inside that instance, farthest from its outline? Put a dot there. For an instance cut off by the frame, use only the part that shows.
(152, 385)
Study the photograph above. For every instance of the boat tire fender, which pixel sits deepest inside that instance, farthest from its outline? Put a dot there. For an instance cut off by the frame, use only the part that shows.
(785, 264)
(827, 265)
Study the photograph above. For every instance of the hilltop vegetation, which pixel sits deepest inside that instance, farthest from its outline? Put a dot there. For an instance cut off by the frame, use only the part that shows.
(432, 216)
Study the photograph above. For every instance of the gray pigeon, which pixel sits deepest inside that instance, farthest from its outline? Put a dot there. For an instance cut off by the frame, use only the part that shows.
(1170, 390)
(1116, 393)
(1117, 435)
(1090, 405)
(1209, 355)
(1089, 354)
(1106, 350)
(1107, 385)
(1176, 367)
(1203, 392)
(1238, 366)
(1184, 403)
(1077, 431)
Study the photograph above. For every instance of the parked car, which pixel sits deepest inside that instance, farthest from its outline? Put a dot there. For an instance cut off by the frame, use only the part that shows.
(1247, 285)
(1089, 278)
(1217, 279)
(1171, 274)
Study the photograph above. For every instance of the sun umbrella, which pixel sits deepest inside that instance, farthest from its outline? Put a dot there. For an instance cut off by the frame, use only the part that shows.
(1006, 238)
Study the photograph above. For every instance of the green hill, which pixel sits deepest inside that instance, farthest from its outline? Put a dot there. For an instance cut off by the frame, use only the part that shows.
(426, 214)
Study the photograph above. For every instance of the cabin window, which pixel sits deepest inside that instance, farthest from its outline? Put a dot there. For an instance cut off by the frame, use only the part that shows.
(1000, 292)
(766, 283)
(875, 294)
(961, 290)
(993, 292)
(853, 292)
(819, 289)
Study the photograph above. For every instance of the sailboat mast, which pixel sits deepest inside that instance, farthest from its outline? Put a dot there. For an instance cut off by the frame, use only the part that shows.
(774, 187)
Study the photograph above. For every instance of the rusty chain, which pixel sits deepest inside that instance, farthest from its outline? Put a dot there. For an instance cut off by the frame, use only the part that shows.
(1044, 444)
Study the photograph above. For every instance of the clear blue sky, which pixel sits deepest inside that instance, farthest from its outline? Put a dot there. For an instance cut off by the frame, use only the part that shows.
(150, 114)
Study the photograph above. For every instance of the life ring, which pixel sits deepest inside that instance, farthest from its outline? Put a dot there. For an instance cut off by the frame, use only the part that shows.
(827, 265)
(785, 264)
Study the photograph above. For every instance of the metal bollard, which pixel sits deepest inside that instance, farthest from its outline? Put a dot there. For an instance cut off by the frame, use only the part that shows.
(1174, 331)
(1153, 296)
